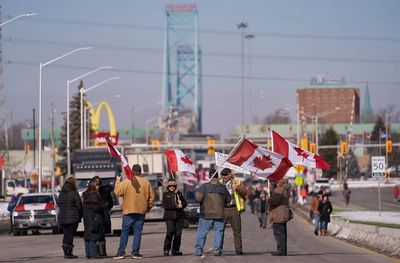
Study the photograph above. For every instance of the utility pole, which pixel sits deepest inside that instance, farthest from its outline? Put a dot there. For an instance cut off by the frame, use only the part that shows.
(53, 153)
(34, 139)
(241, 26)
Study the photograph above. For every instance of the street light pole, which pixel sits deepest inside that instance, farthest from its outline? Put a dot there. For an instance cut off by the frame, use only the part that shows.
(69, 82)
(82, 91)
(242, 26)
(41, 66)
(15, 18)
(249, 37)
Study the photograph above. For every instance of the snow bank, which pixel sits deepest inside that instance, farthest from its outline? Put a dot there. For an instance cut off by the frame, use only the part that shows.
(3, 210)
(371, 216)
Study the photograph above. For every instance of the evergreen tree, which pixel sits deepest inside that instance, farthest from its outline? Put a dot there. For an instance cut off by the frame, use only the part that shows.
(375, 134)
(353, 170)
(330, 137)
(75, 131)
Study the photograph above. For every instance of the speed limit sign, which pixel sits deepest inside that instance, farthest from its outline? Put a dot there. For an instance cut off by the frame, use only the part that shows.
(378, 165)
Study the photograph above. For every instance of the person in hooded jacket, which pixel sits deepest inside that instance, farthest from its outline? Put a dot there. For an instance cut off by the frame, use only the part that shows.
(173, 203)
(93, 219)
(325, 210)
(279, 215)
(70, 214)
(107, 203)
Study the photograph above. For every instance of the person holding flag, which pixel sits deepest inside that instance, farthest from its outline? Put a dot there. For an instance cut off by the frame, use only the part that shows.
(234, 207)
(138, 199)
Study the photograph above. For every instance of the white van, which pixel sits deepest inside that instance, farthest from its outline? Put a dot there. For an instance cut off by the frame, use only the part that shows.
(322, 184)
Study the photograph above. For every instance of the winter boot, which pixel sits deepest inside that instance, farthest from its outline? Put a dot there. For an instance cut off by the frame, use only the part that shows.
(68, 251)
(321, 232)
(101, 247)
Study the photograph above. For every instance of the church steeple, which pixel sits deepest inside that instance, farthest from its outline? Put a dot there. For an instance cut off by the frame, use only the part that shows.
(367, 114)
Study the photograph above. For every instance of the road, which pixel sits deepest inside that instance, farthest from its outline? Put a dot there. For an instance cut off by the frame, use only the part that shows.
(367, 199)
(303, 246)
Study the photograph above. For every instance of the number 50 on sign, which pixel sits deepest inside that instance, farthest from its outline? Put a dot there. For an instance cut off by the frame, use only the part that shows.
(378, 164)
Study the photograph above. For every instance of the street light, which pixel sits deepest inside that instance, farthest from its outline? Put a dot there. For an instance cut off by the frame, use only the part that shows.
(249, 37)
(242, 26)
(41, 66)
(82, 91)
(15, 18)
(69, 82)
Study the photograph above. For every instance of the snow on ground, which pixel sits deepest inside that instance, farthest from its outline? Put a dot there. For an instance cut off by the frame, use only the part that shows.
(371, 216)
(370, 183)
(3, 210)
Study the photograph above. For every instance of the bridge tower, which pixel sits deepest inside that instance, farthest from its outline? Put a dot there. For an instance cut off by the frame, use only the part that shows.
(182, 91)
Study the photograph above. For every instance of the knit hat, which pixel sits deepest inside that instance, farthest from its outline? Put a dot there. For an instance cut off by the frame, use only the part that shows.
(136, 168)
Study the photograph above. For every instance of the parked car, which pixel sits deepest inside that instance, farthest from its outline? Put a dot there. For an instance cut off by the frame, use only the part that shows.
(192, 210)
(391, 171)
(35, 211)
(324, 185)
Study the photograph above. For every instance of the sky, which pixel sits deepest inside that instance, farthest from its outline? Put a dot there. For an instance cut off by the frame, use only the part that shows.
(294, 40)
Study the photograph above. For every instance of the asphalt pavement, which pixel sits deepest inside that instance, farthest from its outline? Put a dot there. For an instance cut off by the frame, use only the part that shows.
(303, 246)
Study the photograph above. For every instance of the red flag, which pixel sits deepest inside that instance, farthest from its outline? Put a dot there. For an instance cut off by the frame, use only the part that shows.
(254, 158)
(179, 162)
(115, 153)
(295, 154)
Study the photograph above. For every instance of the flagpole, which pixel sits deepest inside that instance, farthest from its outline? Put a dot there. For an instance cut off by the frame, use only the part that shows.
(229, 155)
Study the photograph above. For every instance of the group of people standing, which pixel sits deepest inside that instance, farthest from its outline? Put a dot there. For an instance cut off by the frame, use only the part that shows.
(94, 207)
(222, 200)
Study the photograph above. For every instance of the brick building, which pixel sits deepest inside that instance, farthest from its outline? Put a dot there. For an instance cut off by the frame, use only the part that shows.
(324, 101)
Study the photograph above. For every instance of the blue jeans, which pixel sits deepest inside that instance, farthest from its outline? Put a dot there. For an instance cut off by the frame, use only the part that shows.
(202, 231)
(135, 221)
(316, 220)
(323, 225)
(90, 249)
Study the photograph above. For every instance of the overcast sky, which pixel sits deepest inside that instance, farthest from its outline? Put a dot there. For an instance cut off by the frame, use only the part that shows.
(294, 40)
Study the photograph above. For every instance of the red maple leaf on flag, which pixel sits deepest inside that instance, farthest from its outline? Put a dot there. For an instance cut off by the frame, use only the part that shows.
(301, 152)
(263, 162)
(186, 160)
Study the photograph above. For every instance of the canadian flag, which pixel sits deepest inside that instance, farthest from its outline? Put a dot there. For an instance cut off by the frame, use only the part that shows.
(179, 162)
(115, 153)
(295, 154)
(256, 159)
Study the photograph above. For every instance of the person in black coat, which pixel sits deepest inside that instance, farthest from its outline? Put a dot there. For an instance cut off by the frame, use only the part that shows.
(173, 203)
(325, 210)
(70, 214)
(107, 203)
(93, 219)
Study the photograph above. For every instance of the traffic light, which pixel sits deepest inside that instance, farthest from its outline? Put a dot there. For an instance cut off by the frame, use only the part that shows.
(304, 144)
(58, 171)
(312, 148)
(154, 144)
(27, 148)
(389, 146)
(343, 147)
(211, 149)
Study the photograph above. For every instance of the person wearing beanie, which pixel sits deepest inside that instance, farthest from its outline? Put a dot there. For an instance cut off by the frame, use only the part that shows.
(173, 203)
(236, 206)
(212, 197)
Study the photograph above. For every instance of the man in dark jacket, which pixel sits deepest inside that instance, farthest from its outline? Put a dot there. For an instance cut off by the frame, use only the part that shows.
(173, 203)
(279, 215)
(70, 214)
(212, 197)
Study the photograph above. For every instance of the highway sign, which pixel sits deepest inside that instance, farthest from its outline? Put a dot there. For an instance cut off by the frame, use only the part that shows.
(378, 164)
